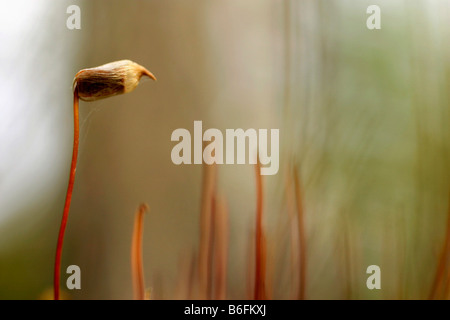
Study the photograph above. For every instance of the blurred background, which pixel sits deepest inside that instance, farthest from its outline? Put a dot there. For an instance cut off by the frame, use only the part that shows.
(364, 146)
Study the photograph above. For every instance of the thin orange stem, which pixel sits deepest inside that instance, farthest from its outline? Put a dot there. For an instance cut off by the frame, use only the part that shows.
(260, 257)
(73, 168)
(137, 266)
(220, 248)
(206, 232)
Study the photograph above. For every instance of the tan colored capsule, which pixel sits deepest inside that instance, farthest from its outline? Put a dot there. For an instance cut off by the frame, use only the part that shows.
(109, 79)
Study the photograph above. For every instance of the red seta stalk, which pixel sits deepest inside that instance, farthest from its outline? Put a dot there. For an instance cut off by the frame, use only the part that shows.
(260, 241)
(137, 265)
(73, 168)
(93, 84)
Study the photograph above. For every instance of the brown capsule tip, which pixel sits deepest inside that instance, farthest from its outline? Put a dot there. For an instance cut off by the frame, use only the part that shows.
(109, 79)
(143, 207)
(147, 73)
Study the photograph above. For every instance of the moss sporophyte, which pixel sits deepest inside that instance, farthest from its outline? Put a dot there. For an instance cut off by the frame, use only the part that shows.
(90, 85)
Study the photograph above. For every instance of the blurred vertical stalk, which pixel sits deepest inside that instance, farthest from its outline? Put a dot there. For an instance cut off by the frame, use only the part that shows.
(137, 265)
(206, 231)
(260, 240)
(220, 248)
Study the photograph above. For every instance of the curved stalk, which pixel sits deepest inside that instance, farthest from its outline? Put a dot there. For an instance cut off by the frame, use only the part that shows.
(73, 168)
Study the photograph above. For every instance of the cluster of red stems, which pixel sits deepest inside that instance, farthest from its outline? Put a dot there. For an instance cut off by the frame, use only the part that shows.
(210, 267)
